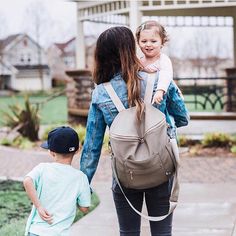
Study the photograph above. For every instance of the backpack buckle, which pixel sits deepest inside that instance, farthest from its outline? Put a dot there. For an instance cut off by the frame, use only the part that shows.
(141, 140)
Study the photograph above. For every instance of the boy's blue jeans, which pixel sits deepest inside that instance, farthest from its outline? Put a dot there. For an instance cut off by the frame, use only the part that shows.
(157, 202)
(30, 234)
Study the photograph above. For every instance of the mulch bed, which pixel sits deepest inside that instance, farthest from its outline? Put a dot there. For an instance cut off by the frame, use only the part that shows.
(198, 151)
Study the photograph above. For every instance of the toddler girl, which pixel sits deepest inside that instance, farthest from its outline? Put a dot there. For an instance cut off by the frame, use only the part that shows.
(151, 37)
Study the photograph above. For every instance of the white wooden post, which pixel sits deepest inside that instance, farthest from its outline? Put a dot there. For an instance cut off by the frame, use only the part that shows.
(234, 39)
(135, 15)
(80, 46)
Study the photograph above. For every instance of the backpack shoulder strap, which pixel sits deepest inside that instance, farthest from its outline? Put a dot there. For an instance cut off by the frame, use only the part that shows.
(149, 88)
(114, 97)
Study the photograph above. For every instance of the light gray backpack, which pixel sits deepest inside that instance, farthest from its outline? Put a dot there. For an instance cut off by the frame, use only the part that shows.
(143, 155)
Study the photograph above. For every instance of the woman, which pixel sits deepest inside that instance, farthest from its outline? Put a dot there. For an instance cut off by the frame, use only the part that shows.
(116, 61)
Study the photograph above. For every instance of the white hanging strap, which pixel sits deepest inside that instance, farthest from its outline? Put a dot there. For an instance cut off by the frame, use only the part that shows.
(174, 191)
(149, 88)
(114, 97)
(175, 187)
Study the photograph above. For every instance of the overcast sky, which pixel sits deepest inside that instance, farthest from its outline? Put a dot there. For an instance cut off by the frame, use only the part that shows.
(61, 26)
(62, 13)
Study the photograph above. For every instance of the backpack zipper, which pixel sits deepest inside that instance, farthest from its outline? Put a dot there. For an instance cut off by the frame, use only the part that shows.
(136, 138)
(131, 174)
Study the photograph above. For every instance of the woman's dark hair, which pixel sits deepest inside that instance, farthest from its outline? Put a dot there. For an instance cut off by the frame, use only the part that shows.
(116, 53)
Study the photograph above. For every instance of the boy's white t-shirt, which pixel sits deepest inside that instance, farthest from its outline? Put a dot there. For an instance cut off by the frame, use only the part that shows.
(164, 66)
(60, 188)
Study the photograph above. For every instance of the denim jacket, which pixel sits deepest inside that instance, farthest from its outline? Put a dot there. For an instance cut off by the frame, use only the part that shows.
(102, 113)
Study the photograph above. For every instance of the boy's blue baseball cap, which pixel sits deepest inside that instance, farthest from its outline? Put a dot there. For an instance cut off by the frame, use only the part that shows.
(62, 140)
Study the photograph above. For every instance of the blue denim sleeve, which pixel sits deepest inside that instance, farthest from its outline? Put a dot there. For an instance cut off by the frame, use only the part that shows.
(95, 130)
(176, 106)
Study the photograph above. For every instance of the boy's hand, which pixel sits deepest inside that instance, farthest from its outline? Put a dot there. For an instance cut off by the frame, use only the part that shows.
(45, 215)
(158, 97)
(84, 209)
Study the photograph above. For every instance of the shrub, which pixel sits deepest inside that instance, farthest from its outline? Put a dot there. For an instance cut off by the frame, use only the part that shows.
(216, 140)
(106, 142)
(25, 119)
(47, 130)
(81, 131)
(233, 149)
(184, 141)
(233, 138)
(23, 143)
(5, 142)
(19, 142)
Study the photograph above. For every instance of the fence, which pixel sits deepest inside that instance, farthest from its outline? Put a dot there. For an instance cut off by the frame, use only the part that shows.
(201, 94)
(209, 94)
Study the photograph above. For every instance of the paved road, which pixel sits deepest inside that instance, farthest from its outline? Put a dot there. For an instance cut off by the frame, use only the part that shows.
(207, 204)
(16, 163)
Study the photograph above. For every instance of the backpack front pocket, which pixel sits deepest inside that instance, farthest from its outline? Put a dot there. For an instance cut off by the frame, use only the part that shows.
(145, 174)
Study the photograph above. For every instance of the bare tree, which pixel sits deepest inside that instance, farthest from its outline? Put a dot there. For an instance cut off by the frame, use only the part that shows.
(206, 50)
(38, 23)
(3, 25)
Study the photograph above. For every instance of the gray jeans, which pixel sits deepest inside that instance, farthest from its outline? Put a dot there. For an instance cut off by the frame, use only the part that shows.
(30, 234)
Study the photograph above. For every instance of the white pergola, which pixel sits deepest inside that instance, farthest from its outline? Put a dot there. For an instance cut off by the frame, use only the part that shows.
(130, 12)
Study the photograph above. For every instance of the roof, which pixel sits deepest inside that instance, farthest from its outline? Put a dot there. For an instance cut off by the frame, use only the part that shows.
(62, 46)
(8, 40)
(89, 41)
(11, 40)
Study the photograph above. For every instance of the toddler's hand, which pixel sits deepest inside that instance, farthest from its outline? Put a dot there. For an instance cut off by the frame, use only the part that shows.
(151, 68)
(45, 215)
(158, 97)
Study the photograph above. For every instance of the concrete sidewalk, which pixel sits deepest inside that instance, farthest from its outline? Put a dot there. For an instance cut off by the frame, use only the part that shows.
(203, 210)
(197, 128)
(207, 204)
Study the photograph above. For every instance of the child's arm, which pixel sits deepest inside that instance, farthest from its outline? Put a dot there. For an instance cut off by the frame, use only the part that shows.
(165, 78)
(84, 198)
(165, 73)
(32, 194)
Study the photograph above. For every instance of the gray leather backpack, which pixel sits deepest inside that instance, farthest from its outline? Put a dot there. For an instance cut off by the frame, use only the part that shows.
(143, 155)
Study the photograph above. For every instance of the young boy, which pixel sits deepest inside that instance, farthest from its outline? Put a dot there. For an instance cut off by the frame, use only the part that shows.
(56, 188)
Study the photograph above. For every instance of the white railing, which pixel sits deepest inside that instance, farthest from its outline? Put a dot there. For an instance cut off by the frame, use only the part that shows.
(103, 9)
(150, 3)
(93, 10)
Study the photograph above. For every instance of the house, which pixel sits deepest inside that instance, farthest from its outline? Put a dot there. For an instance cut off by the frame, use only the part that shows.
(62, 56)
(6, 73)
(23, 64)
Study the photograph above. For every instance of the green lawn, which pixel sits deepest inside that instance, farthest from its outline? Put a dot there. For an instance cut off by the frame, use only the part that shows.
(52, 112)
(15, 208)
(55, 111)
